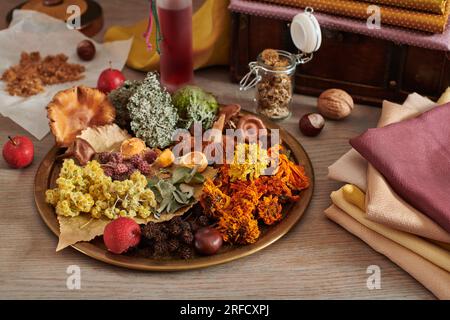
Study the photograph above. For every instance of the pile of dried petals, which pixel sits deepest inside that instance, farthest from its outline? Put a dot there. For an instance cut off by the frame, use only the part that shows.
(238, 205)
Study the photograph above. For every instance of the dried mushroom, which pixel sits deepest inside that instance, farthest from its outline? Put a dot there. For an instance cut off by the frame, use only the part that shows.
(251, 126)
(76, 109)
(80, 150)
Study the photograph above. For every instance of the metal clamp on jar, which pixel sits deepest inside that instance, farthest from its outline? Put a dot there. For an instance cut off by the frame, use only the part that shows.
(273, 72)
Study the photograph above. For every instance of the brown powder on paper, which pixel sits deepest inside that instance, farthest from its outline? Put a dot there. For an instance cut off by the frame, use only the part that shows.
(33, 73)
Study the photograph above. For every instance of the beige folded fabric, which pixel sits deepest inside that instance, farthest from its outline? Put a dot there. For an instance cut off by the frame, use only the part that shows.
(429, 275)
(350, 168)
(383, 204)
(433, 253)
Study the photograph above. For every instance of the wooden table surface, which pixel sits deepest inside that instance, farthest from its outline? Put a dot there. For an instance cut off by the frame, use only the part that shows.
(316, 260)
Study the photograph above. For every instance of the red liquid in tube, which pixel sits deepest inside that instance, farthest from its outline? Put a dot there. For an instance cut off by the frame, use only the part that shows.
(177, 63)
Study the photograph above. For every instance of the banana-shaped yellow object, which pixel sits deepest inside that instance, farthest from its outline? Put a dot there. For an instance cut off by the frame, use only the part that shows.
(211, 38)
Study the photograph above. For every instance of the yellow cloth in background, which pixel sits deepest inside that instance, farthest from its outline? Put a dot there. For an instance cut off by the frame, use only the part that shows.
(211, 38)
(435, 6)
(410, 19)
(418, 245)
(429, 275)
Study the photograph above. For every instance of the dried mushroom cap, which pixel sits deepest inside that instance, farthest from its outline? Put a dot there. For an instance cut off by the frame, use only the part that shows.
(76, 109)
(251, 126)
(229, 111)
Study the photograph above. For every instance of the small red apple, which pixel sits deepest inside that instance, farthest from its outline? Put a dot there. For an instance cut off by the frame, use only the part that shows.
(109, 80)
(121, 234)
(18, 152)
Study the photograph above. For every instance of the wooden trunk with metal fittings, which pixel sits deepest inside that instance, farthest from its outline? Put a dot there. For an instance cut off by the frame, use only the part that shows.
(370, 69)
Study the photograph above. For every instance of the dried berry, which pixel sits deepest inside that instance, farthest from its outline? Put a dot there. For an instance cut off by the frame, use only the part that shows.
(175, 229)
(116, 157)
(160, 249)
(150, 156)
(150, 230)
(120, 169)
(136, 160)
(160, 236)
(131, 167)
(185, 252)
(120, 177)
(104, 157)
(173, 245)
(187, 237)
(203, 221)
(185, 226)
(144, 167)
(108, 171)
(194, 226)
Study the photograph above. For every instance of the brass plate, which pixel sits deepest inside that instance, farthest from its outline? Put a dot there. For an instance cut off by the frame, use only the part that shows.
(47, 174)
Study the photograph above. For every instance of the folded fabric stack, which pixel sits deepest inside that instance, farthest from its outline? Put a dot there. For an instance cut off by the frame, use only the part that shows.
(423, 15)
(397, 196)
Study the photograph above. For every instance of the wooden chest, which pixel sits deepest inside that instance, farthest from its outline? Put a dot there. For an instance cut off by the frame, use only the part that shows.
(370, 69)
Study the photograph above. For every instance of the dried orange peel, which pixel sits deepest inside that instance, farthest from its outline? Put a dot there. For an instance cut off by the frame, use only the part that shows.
(131, 147)
(76, 109)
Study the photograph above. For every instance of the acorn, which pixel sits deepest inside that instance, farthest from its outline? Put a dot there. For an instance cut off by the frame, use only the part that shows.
(311, 124)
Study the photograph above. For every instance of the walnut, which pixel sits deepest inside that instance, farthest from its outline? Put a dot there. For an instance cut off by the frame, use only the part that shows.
(335, 104)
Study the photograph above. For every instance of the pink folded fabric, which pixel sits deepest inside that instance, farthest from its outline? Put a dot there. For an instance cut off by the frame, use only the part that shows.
(414, 157)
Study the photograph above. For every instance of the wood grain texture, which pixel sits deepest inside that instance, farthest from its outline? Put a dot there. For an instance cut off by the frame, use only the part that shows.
(316, 260)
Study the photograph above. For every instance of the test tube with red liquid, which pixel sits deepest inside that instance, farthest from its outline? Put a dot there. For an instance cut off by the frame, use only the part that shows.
(176, 64)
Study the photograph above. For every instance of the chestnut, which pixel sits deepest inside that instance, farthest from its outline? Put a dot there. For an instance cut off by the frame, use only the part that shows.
(311, 124)
(208, 241)
(86, 50)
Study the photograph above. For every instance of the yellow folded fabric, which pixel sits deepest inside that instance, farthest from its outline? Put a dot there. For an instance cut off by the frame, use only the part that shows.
(445, 98)
(211, 38)
(415, 20)
(429, 251)
(434, 6)
(429, 275)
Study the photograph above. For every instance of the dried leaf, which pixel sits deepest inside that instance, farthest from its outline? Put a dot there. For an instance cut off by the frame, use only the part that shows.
(105, 138)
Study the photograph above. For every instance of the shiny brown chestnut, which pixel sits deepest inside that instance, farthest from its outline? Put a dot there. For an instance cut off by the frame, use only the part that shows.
(208, 241)
(86, 50)
(311, 124)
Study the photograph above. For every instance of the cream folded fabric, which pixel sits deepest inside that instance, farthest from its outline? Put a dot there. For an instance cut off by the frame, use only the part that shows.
(350, 168)
(383, 205)
(429, 275)
(433, 253)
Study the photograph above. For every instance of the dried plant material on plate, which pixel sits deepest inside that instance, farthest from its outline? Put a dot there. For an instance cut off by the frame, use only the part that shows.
(76, 109)
(84, 227)
(80, 150)
(33, 73)
(106, 138)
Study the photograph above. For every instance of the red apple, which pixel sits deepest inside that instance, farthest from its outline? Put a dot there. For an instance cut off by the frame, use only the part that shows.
(109, 80)
(18, 152)
(121, 234)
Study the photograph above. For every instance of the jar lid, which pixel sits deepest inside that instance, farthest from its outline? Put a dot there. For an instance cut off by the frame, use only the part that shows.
(305, 32)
